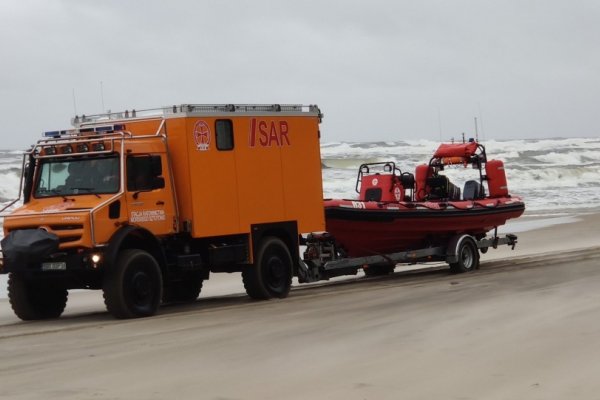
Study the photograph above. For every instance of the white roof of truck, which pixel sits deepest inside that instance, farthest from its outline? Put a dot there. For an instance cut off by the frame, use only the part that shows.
(198, 110)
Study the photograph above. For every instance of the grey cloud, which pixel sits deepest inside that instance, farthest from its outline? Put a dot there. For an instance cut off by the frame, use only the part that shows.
(380, 70)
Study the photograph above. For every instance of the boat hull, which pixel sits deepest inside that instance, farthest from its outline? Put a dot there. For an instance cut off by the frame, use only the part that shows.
(368, 228)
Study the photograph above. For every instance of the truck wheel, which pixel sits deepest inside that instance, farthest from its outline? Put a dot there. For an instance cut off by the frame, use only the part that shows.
(133, 286)
(271, 274)
(185, 290)
(31, 300)
(468, 257)
(379, 269)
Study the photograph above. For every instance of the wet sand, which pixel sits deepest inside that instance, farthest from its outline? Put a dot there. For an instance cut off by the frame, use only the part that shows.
(524, 326)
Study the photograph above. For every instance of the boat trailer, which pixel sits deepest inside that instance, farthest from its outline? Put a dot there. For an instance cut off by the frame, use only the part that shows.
(323, 260)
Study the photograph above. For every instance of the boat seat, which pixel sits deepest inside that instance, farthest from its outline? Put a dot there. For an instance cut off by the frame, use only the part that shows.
(473, 190)
(440, 187)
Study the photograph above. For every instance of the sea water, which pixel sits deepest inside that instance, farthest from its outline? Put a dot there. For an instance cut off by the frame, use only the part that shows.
(554, 176)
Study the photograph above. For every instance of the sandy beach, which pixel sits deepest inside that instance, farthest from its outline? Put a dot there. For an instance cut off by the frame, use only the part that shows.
(524, 326)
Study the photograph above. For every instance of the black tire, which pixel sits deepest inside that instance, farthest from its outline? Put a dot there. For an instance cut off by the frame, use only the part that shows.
(133, 286)
(184, 290)
(468, 257)
(379, 269)
(271, 274)
(36, 299)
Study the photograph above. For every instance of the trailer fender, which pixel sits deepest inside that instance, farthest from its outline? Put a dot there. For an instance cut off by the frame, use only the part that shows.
(454, 245)
(134, 237)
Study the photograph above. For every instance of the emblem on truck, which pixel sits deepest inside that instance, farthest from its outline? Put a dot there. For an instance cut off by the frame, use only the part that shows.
(202, 135)
(268, 133)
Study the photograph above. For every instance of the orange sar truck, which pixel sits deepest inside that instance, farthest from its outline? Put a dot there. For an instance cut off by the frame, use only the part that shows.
(146, 204)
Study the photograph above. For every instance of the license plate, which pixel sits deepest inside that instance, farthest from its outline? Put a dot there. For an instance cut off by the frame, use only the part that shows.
(54, 266)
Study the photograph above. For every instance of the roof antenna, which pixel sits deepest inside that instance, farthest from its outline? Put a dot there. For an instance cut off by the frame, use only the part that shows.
(463, 135)
(74, 102)
(102, 95)
(476, 132)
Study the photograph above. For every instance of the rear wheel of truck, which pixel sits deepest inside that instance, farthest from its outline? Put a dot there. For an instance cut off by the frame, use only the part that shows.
(36, 299)
(271, 274)
(468, 257)
(379, 269)
(133, 286)
(184, 290)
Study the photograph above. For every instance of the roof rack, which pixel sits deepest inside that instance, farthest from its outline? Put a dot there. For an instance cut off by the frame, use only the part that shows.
(175, 110)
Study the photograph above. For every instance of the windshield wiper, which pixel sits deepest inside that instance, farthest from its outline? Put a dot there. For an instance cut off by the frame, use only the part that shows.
(59, 193)
(88, 189)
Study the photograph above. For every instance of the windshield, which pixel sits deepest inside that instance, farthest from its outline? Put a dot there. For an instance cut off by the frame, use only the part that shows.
(59, 177)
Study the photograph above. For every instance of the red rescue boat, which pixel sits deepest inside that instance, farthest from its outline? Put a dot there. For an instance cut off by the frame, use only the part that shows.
(399, 211)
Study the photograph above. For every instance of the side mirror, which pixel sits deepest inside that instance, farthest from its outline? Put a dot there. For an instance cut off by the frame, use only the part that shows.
(28, 173)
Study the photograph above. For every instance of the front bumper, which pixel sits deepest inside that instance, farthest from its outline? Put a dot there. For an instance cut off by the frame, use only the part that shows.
(74, 262)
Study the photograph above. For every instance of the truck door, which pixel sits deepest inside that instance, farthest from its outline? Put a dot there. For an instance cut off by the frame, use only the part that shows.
(149, 193)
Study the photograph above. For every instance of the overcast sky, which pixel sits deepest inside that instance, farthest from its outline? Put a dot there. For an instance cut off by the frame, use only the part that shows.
(379, 70)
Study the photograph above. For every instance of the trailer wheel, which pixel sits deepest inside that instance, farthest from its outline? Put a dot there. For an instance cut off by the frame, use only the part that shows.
(271, 274)
(468, 257)
(379, 269)
(185, 290)
(31, 300)
(133, 287)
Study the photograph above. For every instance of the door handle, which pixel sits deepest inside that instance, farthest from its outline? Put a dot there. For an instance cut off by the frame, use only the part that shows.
(160, 203)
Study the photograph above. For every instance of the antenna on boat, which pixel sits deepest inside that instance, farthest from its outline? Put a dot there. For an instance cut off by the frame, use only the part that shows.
(463, 136)
(476, 132)
(481, 122)
(440, 122)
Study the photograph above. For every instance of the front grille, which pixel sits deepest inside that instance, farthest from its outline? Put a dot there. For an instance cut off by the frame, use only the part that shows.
(67, 234)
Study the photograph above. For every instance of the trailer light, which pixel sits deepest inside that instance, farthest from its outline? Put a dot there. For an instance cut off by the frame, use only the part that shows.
(98, 146)
(82, 148)
(96, 258)
(66, 149)
(50, 150)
